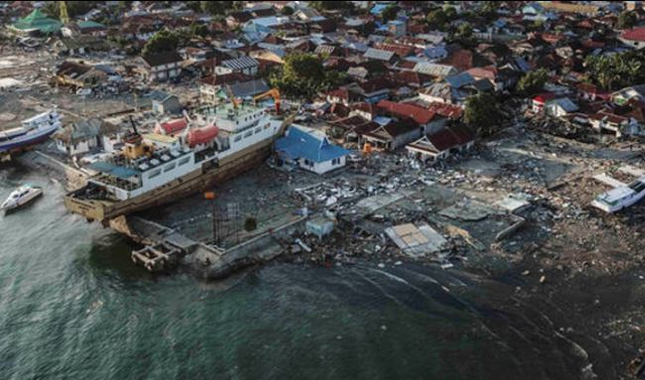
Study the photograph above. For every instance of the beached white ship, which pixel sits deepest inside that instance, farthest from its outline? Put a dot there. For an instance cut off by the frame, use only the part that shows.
(32, 131)
(621, 197)
(157, 168)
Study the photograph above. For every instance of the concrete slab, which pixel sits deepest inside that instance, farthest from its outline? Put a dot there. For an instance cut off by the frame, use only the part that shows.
(372, 204)
(512, 203)
(607, 180)
(416, 241)
(470, 211)
(631, 170)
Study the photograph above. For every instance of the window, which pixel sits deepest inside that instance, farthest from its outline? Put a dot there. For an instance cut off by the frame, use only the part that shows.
(335, 161)
(249, 133)
(169, 167)
(183, 161)
(258, 129)
(154, 173)
(237, 138)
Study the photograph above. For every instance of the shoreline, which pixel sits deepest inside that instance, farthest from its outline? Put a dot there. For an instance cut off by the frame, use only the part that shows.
(566, 283)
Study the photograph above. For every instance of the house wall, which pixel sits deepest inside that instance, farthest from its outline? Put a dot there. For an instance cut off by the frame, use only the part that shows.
(432, 99)
(434, 157)
(109, 143)
(555, 110)
(406, 138)
(164, 72)
(323, 167)
(600, 125)
(208, 94)
(435, 126)
(80, 147)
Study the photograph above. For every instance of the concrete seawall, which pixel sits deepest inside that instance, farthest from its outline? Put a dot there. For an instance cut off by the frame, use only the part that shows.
(206, 261)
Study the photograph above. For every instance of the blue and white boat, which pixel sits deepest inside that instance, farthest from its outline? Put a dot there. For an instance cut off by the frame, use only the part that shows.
(32, 131)
(20, 197)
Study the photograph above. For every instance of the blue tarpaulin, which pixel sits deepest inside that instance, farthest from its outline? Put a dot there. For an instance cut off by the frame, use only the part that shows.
(114, 170)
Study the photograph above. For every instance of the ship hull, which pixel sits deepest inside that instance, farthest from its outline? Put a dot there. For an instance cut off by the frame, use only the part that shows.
(192, 183)
(25, 141)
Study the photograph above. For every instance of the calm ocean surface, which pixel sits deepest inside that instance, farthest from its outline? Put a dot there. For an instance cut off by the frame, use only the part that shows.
(73, 306)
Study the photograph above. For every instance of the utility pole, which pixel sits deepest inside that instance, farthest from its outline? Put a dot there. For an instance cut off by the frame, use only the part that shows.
(64, 16)
(210, 195)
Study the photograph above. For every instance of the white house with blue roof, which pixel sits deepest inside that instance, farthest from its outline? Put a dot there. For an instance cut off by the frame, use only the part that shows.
(309, 149)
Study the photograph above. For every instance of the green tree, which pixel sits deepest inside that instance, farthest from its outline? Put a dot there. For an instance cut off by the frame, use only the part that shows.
(464, 36)
(219, 8)
(198, 30)
(627, 20)
(488, 10)
(451, 13)
(250, 224)
(604, 69)
(331, 5)
(390, 12)
(286, 11)
(482, 113)
(163, 40)
(440, 18)
(195, 6)
(75, 8)
(51, 9)
(303, 76)
(125, 5)
(533, 82)
(437, 19)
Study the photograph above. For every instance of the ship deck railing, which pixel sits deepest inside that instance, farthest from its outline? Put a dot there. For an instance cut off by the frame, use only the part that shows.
(117, 182)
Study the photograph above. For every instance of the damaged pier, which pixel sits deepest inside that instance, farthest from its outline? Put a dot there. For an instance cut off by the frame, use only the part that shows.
(165, 248)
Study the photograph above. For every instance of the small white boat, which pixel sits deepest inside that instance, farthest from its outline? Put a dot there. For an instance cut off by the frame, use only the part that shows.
(21, 197)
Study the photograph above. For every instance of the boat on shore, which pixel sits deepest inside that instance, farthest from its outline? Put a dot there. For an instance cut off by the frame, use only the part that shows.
(155, 168)
(32, 131)
(621, 197)
(21, 197)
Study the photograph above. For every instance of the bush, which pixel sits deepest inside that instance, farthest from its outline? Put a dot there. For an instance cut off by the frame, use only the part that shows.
(250, 224)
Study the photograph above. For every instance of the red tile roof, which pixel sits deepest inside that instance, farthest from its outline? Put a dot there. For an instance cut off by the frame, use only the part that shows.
(406, 65)
(400, 50)
(610, 117)
(411, 77)
(451, 137)
(341, 93)
(636, 34)
(489, 72)
(450, 111)
(544, 97)
(216, 80)
(420, 115)
(591, 89)
(462, 60)
(552, 38)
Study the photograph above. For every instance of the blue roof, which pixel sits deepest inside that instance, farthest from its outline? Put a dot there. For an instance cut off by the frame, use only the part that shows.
(460, 80)
(522, 64)
(115, 170)
(299, 143)
(378, 8)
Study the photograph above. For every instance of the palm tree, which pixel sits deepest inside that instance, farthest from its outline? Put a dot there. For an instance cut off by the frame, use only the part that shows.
(605, 72)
